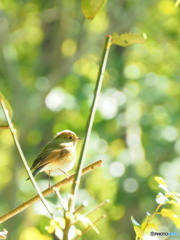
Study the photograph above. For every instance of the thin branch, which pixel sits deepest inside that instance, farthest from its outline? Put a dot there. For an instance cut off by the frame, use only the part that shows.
(90, 121)
(48, 191)
(97, 207)
(91, 211)
(90, 227)
(4, 127)
(84, 204)
(19, 149)
(60, 198)
(150, 219)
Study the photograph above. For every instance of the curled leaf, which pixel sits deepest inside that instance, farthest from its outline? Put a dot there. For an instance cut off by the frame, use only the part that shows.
(134, 222)
(90, 7)
(127, 39)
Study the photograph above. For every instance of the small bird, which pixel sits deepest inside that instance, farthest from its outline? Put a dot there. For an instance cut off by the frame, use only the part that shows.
(58, 156)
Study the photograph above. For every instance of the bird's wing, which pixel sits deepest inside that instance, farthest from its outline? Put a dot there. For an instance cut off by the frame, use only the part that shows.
(49, 156)
(50, 146)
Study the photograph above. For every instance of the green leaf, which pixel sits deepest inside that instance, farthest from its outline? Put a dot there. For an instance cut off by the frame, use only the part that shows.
(3, 121)
(160, 180)
(127, 39)
(90, 7)
(86, 222)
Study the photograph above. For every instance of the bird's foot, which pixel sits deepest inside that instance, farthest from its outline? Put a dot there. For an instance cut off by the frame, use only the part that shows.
(67, 175)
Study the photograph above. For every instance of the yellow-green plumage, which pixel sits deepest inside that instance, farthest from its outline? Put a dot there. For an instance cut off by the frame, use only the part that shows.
(58, 156)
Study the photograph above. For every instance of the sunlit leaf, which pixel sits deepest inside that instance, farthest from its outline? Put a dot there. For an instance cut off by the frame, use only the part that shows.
(138, 231)
(86, 222)
(160, 180)
(70, 216)
(90, 7)
(171, 215)
(175, 196)
(134, 222)
(177, 3)
(77, 231)
(57, 222)
(172, 202)
(127, 39)
(161, 199)
(163, 187)
(3, 234)
(147, 225)
(3, 121)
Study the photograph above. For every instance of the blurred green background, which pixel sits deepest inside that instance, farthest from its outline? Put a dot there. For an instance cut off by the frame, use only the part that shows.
(49, 59)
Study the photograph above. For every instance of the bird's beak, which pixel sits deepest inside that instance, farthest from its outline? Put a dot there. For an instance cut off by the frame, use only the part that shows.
(78, 138)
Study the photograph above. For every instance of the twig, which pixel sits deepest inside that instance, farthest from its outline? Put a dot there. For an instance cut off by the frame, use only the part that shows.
(90, 227)
(48, 191)
(17, 144)
(60, 198)
(97, 207)
(90, 121)
(4, 127)
(92, 210)
(150, 219)
(84, 204)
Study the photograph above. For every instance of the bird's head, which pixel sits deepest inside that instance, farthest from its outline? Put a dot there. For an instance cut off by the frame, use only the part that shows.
(67, 136)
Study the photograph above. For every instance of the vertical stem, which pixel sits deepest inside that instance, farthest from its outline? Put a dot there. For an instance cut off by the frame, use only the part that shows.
(90, 121)
(17, 144)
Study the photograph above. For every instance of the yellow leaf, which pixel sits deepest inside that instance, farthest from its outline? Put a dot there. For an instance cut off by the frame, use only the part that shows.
(90, 7)
(174, 203)
(171, 215)
(160, 180)
(177, 3)
(70, 216)
(145, 226)
(127, 39)
(138, 231)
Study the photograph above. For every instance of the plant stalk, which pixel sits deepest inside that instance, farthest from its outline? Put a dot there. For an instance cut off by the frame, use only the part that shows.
(48, 191)
(90, 121)
(19, 149)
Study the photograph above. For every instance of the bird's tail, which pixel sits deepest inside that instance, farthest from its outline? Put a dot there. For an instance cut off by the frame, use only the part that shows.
(36, 171)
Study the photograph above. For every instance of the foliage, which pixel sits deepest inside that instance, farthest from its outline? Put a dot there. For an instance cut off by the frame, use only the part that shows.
(169, 199)
(48, 65)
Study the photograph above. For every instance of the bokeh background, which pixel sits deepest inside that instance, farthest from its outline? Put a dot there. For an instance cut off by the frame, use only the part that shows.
(49, 59)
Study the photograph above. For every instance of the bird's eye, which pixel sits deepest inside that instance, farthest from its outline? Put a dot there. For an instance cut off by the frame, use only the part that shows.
(70, 137)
